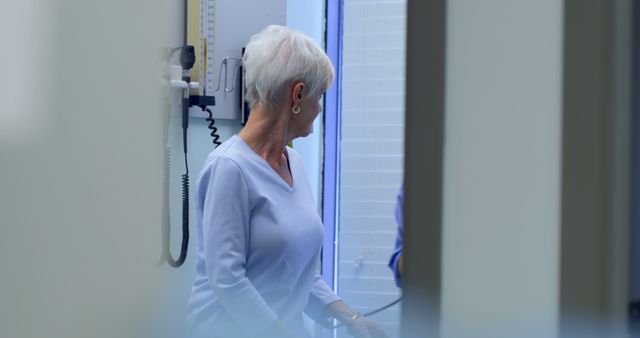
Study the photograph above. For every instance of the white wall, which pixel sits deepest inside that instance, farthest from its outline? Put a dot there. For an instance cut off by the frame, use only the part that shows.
(502, 168)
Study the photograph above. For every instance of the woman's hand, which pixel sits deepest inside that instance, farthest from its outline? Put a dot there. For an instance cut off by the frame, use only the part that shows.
(363, 327)
(358, 325)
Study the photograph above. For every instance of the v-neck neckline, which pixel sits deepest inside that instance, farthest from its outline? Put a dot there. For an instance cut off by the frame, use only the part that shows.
(264, 162)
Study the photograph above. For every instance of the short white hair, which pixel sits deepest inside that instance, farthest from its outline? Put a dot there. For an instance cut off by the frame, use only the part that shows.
(278, 56)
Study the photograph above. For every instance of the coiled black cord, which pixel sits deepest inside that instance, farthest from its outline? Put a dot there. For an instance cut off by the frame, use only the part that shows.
(185, 215)
(166, 233)
(214, 130)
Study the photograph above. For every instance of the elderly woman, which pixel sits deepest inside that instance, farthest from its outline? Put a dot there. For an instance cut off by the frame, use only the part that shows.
(259, 232)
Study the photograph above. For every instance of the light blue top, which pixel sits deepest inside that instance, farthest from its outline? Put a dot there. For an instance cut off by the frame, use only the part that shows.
(259, 242)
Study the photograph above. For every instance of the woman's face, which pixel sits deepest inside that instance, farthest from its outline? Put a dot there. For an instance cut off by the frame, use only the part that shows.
(310, 107)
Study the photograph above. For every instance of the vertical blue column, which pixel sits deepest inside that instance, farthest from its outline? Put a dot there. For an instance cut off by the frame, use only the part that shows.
(635, 169)
(332, 132)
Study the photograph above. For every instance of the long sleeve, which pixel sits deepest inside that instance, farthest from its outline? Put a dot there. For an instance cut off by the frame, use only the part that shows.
(225, 223)
(321, 296)
(397, 252)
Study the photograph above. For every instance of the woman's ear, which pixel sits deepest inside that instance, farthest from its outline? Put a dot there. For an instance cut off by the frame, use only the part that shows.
(297, 93)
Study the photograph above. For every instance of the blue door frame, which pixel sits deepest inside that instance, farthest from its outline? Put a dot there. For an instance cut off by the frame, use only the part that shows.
(332, 136)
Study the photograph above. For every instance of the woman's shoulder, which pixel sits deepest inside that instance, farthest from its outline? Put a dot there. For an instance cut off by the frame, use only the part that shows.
(231, 155)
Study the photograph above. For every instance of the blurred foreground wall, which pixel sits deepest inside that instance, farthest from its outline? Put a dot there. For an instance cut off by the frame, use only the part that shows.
(81, 150)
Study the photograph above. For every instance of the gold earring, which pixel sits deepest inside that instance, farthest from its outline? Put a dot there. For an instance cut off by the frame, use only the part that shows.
(295, 109)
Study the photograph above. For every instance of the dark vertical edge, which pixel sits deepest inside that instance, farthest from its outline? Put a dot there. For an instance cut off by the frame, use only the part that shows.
(596, 156)
(424, 133)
